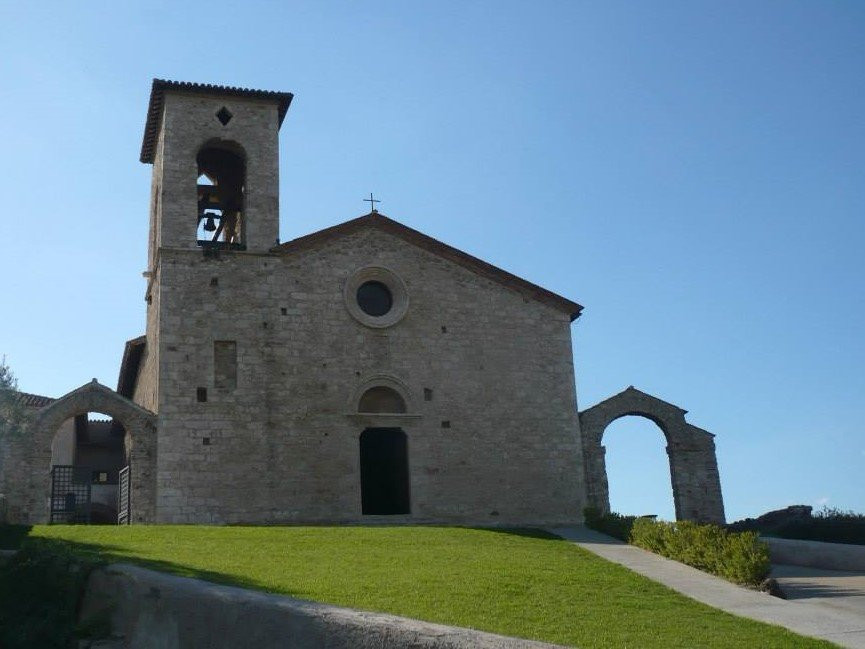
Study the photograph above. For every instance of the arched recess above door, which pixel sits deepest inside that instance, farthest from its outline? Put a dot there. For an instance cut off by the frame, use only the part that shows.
(382, 396)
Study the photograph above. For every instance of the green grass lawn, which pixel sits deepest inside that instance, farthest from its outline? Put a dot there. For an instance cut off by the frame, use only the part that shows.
(514, 583)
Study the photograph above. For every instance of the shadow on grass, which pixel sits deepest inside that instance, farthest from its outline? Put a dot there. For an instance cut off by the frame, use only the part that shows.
(93, 555)
(527, 532)
(39, 592)
(41, 586)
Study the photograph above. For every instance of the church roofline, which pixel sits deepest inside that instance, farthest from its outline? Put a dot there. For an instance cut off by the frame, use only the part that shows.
(421, 240)
(157, 99)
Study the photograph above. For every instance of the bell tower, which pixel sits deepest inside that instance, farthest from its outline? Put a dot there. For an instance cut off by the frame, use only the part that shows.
(215, 157)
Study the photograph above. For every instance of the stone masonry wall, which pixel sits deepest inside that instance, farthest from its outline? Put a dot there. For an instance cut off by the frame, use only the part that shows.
(17, 478)
(147, 383)
(156, 202)
(497, 441)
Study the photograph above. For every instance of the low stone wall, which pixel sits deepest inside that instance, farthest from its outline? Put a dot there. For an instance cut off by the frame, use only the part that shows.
(152, 609)
(816, 554)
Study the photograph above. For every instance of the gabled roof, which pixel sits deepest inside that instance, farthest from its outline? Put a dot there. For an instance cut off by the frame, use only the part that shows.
(96, 397)
(631, 391)
(380, 221)
(632, 401)
(157, 99)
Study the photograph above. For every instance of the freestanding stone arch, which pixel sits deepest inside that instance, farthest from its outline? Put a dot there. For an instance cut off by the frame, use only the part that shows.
(29, 484)
(693, 465)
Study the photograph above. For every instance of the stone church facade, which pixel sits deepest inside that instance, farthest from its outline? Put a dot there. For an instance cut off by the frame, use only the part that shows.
(362, 373)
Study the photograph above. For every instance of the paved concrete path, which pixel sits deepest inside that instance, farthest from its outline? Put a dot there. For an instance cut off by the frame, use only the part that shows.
(843, 624)
(834, 589)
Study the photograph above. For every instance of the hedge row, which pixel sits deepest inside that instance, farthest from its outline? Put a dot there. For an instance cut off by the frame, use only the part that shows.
(830, 525)
(738, 557)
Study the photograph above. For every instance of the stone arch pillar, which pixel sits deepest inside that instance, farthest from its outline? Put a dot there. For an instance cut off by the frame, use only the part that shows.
(691, 450)
(140, 425)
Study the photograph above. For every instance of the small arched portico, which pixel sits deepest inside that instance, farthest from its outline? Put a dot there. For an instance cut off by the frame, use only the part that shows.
(140, 426)
(691, 450)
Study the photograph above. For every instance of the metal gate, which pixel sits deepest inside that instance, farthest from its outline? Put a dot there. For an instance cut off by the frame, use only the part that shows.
(123, 517)
(70, 494)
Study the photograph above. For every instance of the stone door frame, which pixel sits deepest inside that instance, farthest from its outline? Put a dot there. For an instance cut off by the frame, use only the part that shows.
(691, 451)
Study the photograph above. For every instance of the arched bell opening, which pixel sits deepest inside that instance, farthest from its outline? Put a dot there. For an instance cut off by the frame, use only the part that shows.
(89, 453)
(638, 468)
(221, 188)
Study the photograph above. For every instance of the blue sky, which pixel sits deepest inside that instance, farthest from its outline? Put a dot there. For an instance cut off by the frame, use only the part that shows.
(691, 172)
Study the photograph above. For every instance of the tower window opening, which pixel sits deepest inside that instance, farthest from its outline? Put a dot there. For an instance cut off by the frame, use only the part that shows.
(224, 116)
(221, 179)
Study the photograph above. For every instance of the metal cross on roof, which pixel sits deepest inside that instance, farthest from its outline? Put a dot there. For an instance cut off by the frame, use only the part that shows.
(372, 201)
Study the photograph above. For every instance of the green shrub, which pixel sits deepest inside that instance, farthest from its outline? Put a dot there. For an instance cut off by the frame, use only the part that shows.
(830, 525)
(39, 592)
(616, 525)
(11, 536)
(738, 557)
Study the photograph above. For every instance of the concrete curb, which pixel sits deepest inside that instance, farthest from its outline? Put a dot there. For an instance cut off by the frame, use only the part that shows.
(845, 628)
(152, 609)
(816, 554)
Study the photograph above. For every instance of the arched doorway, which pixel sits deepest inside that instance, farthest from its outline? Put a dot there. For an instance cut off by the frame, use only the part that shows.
(638, 468)
(89, 453)
(36, 495)
(384, 479)
(691, 450)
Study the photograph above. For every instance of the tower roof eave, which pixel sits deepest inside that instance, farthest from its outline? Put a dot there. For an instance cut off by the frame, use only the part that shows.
(157, 98)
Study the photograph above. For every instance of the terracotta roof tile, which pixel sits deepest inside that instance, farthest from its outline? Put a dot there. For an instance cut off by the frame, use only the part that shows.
(35, 400)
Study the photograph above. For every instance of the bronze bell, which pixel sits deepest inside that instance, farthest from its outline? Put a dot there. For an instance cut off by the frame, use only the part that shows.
(209, 225)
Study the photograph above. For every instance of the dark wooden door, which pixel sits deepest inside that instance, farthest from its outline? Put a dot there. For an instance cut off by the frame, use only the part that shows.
(384, 482)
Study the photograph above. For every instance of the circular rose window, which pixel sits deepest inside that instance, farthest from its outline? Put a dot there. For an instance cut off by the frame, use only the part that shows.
(376, 297)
